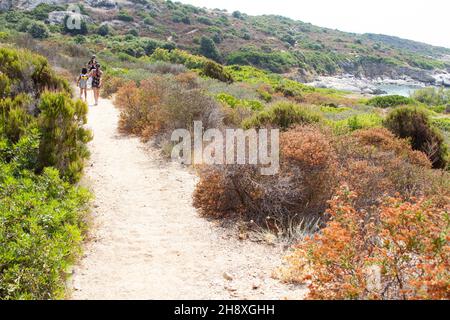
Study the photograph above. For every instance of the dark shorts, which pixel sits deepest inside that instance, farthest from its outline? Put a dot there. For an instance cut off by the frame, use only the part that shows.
(95, 82)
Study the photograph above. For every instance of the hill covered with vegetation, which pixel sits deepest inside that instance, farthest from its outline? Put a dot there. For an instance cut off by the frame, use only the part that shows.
(137, 27)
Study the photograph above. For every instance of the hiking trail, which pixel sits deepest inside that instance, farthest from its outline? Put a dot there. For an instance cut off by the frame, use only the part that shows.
(147, 241)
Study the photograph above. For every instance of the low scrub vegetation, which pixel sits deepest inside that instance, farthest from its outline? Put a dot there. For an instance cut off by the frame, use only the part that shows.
(278, 62)
(40, 229)
(313, 162)
(283, 115)
(432, 96)
(398, 250)
(415, 124)
(42, 148)
(163, 103)
(389, 101)
(205, 66)
(299, 192)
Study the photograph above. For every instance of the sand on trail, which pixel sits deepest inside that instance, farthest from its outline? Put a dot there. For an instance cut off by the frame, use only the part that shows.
(148, 242)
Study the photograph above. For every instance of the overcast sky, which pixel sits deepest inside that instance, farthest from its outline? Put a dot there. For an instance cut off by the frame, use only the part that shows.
(426, 21)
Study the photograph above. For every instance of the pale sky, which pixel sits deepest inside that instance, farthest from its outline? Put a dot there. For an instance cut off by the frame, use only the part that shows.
(426, 21)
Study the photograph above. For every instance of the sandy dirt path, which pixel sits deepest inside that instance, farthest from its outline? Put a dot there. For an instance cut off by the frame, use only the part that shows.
(148, 242)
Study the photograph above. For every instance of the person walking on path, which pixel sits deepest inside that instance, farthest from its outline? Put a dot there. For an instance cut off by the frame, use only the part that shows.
(82, 83)
(92, 63)
(96, 75)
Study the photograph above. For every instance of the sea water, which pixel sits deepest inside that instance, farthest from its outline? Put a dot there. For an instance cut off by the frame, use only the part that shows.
(397, 89)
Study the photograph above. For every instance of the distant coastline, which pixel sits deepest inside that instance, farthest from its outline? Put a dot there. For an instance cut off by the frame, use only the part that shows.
(379, 86)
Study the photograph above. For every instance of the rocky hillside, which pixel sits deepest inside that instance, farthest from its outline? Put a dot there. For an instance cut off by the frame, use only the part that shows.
(275, 43)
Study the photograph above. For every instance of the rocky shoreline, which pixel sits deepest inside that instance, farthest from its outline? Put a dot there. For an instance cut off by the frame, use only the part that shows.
(379, 86)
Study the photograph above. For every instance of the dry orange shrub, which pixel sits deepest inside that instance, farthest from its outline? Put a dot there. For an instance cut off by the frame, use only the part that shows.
(313, 163)
(163, 103)
(386, 141)
(214, 195)
(300, 191)
(374, 163)
(111, 85)
(307, 147)
(399, 250)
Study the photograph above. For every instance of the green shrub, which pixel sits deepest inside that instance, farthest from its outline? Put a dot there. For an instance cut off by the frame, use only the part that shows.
(321, 61)
(63, 141)
(442, 123)
(208, 49)
(283, 115)
(266, 96)
(415, 124)
(357, 122)
(233, 102)
(5, 86)
(177, 56)
(28, 73)
(40, 232)
(150, 45)
(14, 117)
(287, 87)
(206, 67)
(57, 117)
(432, 96)
(149, 21)
(180, 17)
(227, 99)
(14, 16)
(390, 101)
(38, 30)
(237, 15)
(24, 25)
(42, 10)
(133, 32)
(277, 62)
(216, 71)
(103, 30)
(205, 20)
(124, 16)
(79, 39)
(40, 213)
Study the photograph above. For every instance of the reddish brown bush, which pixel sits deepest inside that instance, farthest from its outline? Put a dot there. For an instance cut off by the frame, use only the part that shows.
(300, 191)
(163, 103)
(374, 163)
(215, 194)
(308, 148)
(399, 250)
(111, 85)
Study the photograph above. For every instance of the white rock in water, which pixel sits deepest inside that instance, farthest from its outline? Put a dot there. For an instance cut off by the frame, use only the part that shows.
(442, 79)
